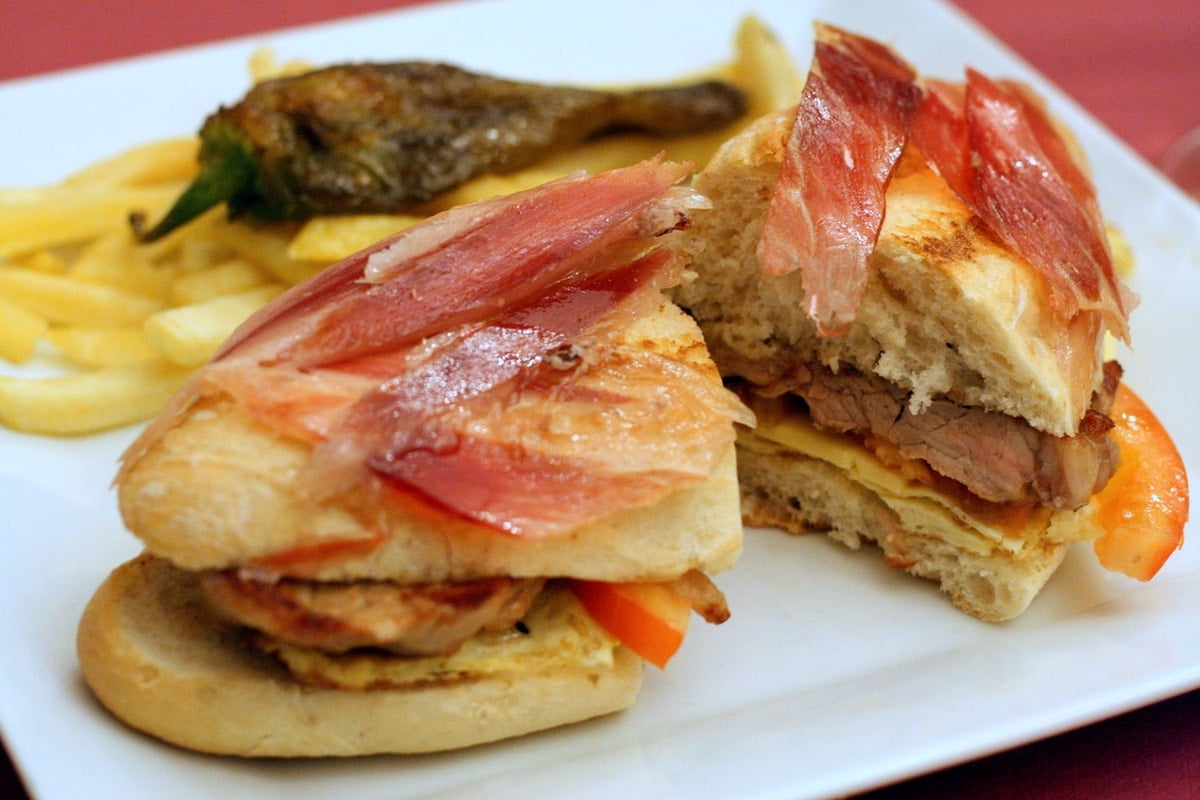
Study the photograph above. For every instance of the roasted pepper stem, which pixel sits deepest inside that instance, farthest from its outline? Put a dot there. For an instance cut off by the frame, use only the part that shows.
(228, 172)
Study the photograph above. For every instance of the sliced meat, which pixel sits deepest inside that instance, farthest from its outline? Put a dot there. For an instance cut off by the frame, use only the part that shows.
(828, 205)
(998, 458)
(997, 147)
(431, 619)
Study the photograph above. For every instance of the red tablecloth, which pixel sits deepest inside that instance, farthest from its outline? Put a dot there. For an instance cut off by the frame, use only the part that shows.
(1135, 66)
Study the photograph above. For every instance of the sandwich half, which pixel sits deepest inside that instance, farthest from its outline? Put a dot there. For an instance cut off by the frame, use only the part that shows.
(909, 283)
(459, 487)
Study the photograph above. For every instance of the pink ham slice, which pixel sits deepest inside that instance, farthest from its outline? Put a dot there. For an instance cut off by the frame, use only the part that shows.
(825, 215)
(996, 147)
(1030, 192)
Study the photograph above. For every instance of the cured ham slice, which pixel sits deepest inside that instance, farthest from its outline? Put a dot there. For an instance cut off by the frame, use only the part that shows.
(939, 130)
(824, 219)
(1030, 192)
(448, 271)
(539, 422)
(996, 147)
(478, 365)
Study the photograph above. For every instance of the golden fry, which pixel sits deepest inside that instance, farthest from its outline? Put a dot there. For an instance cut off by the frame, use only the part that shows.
(486, 186)
(60, 299)
(1122, 253)
(20, 332)
(188, 335)
(165, 160)
(331, 239)
(89, 401)
(114, 259)
(42, 261)
(231, 277)
(102, 347)
(765, 69)
(60, 215)
(268, 248)
(265, 66)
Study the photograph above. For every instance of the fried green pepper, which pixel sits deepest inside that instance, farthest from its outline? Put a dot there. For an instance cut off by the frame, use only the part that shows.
(378, 138)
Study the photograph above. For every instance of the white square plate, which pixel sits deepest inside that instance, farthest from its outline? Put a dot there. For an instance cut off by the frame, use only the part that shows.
(834, 675)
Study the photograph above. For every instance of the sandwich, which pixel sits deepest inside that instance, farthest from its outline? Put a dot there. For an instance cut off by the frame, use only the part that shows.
(909, 282)
(458, 487)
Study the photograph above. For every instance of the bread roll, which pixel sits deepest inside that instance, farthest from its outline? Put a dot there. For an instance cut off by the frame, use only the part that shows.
(948, 313)
(155, 655)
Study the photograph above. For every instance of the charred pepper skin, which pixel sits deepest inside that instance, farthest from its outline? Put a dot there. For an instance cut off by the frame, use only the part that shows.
(378, 138)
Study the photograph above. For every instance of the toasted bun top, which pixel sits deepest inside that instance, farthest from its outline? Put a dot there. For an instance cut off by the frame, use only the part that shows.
(216, 491)
(948, 310)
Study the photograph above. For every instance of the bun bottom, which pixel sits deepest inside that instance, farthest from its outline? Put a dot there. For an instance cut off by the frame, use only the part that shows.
(155, 656)
(786, 489)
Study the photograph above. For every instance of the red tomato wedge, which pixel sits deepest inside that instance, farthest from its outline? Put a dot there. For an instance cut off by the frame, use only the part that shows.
(648, 618)
(1144, 507)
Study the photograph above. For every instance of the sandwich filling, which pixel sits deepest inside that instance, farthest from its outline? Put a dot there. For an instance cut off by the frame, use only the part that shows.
(959, 449)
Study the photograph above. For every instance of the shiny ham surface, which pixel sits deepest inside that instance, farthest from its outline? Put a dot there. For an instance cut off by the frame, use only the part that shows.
(1018, 175)
(477, 364)
(407, 620)
(828, 206)
(997, 458)
(993, 143)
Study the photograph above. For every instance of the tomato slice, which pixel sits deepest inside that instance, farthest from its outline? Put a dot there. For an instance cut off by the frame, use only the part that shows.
(648, 618)
(1144, 507)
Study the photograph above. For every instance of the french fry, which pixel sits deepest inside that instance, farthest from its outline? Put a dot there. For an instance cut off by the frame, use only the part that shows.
(42, 261)
(231, 277)
(486, 186)
(165, 160)
(193, 246)
(269, 250)
(333, 238)
(102, 347)
(264, 65)
(60, 215)
(188, 335)
(88, 401)
(20, 332)
(114, 259)
(1122, 253)
(60, 299)
(765, 69)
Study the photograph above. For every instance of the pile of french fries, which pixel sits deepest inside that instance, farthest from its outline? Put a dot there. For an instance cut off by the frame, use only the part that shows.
(121, 325)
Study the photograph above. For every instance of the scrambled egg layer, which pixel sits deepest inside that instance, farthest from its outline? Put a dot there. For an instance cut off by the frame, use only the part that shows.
(556, 632)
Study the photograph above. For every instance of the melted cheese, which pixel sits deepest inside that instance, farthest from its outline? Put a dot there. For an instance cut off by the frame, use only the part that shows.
(919, 507)
(560, 633)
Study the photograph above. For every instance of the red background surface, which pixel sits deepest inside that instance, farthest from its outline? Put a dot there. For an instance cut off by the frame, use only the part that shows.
(1134, 65)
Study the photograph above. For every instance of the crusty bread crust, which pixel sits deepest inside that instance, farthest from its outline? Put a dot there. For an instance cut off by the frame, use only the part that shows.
(947, 311)
(785, 489)
(157, 658)
(166, 499)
